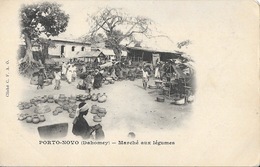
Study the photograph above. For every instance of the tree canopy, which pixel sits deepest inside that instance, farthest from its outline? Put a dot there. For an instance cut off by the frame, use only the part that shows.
(43, 18)
(118, 26)
(37, 20)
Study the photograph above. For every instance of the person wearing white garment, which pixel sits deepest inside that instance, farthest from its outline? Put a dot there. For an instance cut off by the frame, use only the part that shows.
(69, 73)
(64, 68)
(157, 71)
(145, 78)
(74, 72)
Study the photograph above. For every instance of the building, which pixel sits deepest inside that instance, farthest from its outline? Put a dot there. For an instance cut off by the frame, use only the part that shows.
(139, 54)
(68, 48)
(91, 56)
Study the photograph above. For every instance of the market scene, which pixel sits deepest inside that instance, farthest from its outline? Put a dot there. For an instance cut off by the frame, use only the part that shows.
(89, 86)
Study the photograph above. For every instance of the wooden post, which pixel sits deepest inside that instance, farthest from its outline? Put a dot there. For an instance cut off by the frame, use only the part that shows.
(142, 55)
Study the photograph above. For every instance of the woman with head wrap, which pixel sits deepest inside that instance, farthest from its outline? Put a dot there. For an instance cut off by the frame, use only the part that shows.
(80, 125)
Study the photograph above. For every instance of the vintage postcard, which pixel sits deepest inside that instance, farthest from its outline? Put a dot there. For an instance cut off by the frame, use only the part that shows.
(129, 83)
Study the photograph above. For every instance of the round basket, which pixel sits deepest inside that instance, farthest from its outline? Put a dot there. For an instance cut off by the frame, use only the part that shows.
(50, 97)
(101, 114)
(72, 115)
(62, 96)
(160, 99)
(97, 120)
(50, 100)
(55, 112)
(112, 82)
(152, 86)
(102, 110)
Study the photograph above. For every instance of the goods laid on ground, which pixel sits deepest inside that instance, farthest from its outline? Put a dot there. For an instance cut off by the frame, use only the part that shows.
(34, 80)
(99, 113)
(179, 102)
(29, 119)
(102, 98)
(160, 99)
(94, 97)
(24, 105)
(22, 116)
(47, 82)
(190, 98)
(72, 114)
(42, 108)
(94, 109)
(152, 86)
(97, 118)
(42, 105)
(32, 118)
(112, 82)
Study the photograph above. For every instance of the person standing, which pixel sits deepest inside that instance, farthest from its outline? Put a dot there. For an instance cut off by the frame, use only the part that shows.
(57, 77)
(74, 72)
(41, 78)
(69, 73)
(157, 71)
(145, 78)
(64, 68)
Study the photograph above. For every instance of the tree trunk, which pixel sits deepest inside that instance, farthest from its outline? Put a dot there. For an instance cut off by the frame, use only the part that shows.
(45, 54)
(28, 53)
(117, 53)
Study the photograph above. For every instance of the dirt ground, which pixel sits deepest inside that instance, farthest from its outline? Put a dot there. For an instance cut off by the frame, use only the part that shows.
(129, 107)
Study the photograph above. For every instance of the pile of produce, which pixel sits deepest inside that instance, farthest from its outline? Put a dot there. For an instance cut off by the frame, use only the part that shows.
(32, 118)
(42, 108)
(57, 110)
(99, 113)
(50, 99)
(102, 98)
(98, 97)
(109, 80)
(65, 103)
(160, 99)
(24, 105)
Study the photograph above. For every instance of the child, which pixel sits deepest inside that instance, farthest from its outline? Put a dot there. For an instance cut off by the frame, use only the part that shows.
(145, 78)
(57, 77)
(41, 78)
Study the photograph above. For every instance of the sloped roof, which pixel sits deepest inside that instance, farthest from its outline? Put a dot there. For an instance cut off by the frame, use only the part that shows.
(153, 50)
(107, 52)
(71, 41)
(91, 54)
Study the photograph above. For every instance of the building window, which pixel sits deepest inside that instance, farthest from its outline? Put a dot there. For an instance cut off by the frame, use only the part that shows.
(82, 48)
(73, 48)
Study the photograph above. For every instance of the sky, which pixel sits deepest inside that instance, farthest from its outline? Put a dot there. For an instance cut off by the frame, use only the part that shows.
(209, 25)
(179, 20)
(175, 19)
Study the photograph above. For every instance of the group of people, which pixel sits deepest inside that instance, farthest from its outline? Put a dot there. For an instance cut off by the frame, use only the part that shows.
(69, 71)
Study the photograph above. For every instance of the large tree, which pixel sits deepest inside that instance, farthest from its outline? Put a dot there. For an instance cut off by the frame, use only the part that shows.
(117, 27)
(37, 20)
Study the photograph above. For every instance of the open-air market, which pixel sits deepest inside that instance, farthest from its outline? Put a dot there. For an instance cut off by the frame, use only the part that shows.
(91, 85)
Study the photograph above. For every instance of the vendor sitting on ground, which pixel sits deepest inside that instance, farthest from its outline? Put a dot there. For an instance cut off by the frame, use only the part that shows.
(85, 84)
(97, 79)
(80, 125)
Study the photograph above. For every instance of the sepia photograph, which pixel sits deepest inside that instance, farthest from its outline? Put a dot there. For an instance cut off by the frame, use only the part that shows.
(130, 83)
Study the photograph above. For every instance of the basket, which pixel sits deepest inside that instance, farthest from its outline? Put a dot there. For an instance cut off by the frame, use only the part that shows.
(160, 99)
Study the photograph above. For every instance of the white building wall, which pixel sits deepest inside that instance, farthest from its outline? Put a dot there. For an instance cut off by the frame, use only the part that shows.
(68, 53)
